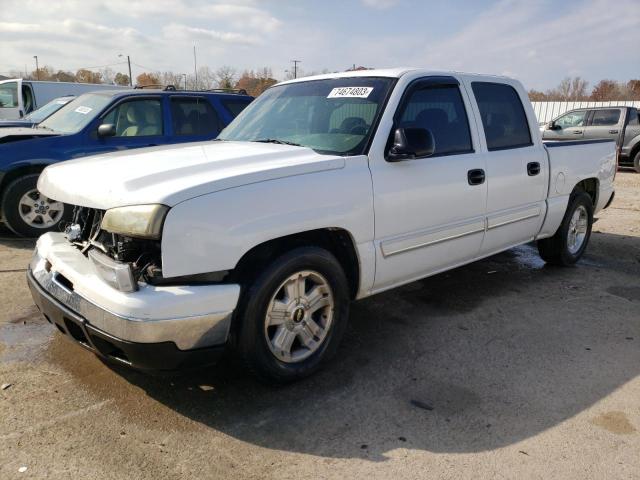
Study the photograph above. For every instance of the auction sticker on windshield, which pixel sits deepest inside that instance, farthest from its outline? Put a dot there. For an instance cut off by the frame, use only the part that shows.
(350, 92)
(83, 110)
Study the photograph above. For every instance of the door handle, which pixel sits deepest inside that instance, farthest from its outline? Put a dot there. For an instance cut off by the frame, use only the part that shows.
(533, 168)
(577, 132)
(475, 176)
(613, 131)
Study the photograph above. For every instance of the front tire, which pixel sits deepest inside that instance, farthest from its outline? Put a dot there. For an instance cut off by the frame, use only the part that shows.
(27, 212)
(570, 241)
(293, 315)
(636, 162)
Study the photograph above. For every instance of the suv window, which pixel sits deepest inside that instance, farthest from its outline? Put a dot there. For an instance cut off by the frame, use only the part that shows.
(572, 119)
(136, 118)
(236, 106)
(194, 116)
(9, 95)
(439, 109)
(503, 117)
(605, 117)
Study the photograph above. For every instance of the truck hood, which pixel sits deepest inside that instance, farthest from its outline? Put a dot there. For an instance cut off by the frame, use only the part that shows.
(21, 133)
(173, 174)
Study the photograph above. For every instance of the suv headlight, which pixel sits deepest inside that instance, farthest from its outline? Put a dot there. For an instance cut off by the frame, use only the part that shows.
(142, 221)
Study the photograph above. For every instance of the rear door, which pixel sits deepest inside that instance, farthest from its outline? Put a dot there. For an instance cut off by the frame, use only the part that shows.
(517, 169)
(604, 123)
(193, 119)
(569, 126)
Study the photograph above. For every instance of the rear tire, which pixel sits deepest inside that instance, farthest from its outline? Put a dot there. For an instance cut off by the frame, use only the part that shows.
(293, 315)
(636, 162)
(28, 213)
(570, 241)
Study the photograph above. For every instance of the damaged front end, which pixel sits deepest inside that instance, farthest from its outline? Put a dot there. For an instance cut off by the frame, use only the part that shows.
(122, 261)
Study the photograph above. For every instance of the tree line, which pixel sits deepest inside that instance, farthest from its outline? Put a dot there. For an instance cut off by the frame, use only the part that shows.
(257, 81)
(254, 82)
(576, 89)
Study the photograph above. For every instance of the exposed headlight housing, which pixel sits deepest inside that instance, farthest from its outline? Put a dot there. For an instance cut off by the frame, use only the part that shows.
(141, 221)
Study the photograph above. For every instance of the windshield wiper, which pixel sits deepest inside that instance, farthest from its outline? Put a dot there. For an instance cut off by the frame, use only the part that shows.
(279, 142)
(42, 127)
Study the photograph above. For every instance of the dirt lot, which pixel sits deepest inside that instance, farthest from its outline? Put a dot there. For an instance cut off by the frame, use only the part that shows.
(501, 369)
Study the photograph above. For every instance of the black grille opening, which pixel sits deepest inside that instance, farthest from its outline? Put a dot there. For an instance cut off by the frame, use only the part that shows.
(108, 349)
(64, 281)
(76, 332)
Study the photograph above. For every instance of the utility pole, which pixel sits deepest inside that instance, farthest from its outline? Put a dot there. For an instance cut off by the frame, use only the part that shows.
(37, 68)
(129, 63)
(195, 66)
(295, 67)
(185, 80)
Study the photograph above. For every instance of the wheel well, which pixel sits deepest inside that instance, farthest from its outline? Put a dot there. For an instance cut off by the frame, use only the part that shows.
(634, 151)
(336, 240)
(589, 186)
(11, 175)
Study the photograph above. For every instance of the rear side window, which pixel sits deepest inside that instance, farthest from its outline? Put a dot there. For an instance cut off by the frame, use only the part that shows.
(503, 117)
(235, 106)
(440, 110)
(194, 116)
(603, 118)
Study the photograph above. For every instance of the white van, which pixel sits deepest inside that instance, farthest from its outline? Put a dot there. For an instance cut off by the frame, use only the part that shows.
(19, 97)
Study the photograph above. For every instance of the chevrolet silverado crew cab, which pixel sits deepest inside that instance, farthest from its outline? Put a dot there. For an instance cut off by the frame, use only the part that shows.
(323, 190)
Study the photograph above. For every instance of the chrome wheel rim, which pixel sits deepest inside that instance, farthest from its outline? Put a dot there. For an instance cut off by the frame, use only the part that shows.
(299, 316)
(39, 211)
(577, 230)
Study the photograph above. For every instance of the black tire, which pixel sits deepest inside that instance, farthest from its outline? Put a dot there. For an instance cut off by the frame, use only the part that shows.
(636, 162)
(252, 343)
(11, 205)
(555, 250)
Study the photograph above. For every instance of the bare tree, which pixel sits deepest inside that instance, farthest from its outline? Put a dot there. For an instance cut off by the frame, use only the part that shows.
(226, 76)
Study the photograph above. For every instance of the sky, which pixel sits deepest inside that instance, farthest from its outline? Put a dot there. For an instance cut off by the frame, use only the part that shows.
(537, 41)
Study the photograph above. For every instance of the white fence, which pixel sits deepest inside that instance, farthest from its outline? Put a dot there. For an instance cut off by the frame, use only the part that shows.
(547, 111)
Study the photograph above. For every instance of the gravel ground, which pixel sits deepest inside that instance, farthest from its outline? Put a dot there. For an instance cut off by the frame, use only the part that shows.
(504, 368)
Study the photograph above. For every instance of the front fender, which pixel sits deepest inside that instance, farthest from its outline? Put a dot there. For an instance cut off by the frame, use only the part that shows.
(212, 232)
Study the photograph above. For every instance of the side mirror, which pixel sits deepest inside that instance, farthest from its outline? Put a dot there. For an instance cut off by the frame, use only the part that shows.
(553, 126)
(411, 143)
(107, 130)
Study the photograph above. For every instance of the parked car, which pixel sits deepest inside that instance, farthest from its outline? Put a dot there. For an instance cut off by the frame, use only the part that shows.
(324, 190)
(100, 122)
(19, 97)
(39, 115)
(616, 123)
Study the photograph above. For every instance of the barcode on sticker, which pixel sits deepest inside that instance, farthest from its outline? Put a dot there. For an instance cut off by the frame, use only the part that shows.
(350, 92)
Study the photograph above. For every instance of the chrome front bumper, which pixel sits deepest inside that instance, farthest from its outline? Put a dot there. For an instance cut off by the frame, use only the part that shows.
(190, 316)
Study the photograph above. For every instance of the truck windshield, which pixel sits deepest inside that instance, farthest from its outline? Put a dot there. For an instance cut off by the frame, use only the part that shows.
(9, 95)
(334, 116)
(77, 114)
(47, 110)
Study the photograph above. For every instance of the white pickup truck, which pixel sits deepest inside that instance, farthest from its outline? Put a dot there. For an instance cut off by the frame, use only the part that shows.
(324, 190)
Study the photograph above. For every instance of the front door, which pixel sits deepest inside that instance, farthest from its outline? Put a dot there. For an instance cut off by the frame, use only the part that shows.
(429, 212)
(569, 126)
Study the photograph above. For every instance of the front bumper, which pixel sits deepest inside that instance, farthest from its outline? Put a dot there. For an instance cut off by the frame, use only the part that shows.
(154, 328)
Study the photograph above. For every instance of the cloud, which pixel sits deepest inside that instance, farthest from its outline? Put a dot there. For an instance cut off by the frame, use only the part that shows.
(184, 32)
(520, 38)
(380, 4)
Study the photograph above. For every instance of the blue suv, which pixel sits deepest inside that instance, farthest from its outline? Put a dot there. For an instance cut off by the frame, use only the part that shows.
(96, 123)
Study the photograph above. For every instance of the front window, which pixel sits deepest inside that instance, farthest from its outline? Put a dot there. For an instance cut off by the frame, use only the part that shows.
(9, 95)
(334, 116)
(77, 114)
(570, 120)
(136, 118)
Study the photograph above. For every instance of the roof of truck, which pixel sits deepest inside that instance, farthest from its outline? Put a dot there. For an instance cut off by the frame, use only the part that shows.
(390, 73)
